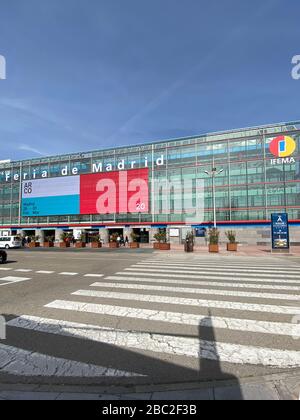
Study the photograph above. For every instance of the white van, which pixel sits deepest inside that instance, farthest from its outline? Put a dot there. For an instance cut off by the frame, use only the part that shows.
(10, 242)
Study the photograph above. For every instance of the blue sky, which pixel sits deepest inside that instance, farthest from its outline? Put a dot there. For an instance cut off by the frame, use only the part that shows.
(83, 75)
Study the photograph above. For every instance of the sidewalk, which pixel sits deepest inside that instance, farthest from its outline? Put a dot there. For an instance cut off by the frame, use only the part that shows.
(284, 387)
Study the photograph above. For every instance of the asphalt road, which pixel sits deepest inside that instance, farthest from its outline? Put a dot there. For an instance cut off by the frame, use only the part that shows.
(139, 317)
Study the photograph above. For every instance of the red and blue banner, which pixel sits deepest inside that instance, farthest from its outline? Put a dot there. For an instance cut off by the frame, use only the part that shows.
(101, 193)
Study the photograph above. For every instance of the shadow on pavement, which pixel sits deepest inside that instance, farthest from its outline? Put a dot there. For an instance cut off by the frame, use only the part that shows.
(73, 347)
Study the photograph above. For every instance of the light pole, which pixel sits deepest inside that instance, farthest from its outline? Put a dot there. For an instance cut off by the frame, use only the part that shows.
(213, 173)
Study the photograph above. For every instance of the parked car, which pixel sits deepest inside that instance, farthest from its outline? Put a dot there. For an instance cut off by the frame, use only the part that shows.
(8, 242)
(3, 257)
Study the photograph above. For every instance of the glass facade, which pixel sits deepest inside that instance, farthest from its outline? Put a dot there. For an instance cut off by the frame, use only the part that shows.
(253, 184)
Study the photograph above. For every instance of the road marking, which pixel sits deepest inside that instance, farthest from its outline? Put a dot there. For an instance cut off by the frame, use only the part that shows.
(65, 273)
(198, 276)
(94, 275)
(45, 272)
(232, 324)
(161, 270)
(19, 362)
(200, 268)
(229, 267)
(166, 344)
(283, 310)
(5, 268)
(207, 283)
(198, 291)
(23, 270)
(12, 280)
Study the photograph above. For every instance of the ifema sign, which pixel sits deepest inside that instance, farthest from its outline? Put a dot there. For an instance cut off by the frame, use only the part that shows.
(2, 68)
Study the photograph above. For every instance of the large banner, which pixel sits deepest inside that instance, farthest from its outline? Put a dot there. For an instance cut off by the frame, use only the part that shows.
(101, 193)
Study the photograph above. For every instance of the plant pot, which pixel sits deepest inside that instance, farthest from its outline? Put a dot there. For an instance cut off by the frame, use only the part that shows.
(232, 247)
(48, 244)
(96, 245)
(80, 245)
(164, 247)
(214, 248)
(64, 244)
(114, 245)
(34, 245)
(156, 245)
(134, 245)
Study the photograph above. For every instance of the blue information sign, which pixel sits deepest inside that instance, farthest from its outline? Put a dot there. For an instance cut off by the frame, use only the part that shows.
(280, 231)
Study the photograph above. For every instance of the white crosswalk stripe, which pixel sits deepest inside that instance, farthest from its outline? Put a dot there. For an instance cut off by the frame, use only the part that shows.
(237, 284)
(252, 301)
(200, 276)
(216, 268)
(143, 271)
(233, 293)
(209, 304)
(165, 344)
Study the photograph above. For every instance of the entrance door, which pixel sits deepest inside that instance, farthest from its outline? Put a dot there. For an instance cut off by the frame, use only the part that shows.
(143, 235)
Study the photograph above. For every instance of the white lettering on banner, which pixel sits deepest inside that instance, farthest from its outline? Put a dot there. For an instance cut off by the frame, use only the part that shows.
(296, 68)
(96, 168)
(2, 68)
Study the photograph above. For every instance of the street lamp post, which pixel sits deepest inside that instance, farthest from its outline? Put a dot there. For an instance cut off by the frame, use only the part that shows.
(213, 173)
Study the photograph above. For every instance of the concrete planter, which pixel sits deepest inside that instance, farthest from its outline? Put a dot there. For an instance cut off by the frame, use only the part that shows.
(48, 244)
(64, 244)
(134, 245)
(156, 245)
(114, 245)
(232, 247)
(164, 247)
(214, 249)
(96, 245)
(34, 245)
(80, 245)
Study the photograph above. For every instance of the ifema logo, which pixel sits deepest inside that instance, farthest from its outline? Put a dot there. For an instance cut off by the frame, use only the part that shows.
(282, 148)
(2, 68)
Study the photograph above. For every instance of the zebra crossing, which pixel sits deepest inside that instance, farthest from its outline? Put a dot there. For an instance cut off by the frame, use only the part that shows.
(161, 307)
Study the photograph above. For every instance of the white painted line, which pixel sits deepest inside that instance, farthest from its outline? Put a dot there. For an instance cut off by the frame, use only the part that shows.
(12, 280)
(23, 270)
(65, 273)
(202, 277)
(94, 275)
(5, 269)
(198, 291)
(161, 270)
(236, 306)
(232, 265)
(19, 362)
(45, 272)
(216, 269)
(230, 324)
(237, 284)
(165, 344)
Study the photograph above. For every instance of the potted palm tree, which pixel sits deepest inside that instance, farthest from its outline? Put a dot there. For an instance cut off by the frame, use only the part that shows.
(113, 242)
(80, 243)
(134, 241)
(214, 235)
(96, 241)
(163, 244)
(64, 240)
(232, 246)
(34, 243)
(48, 242)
